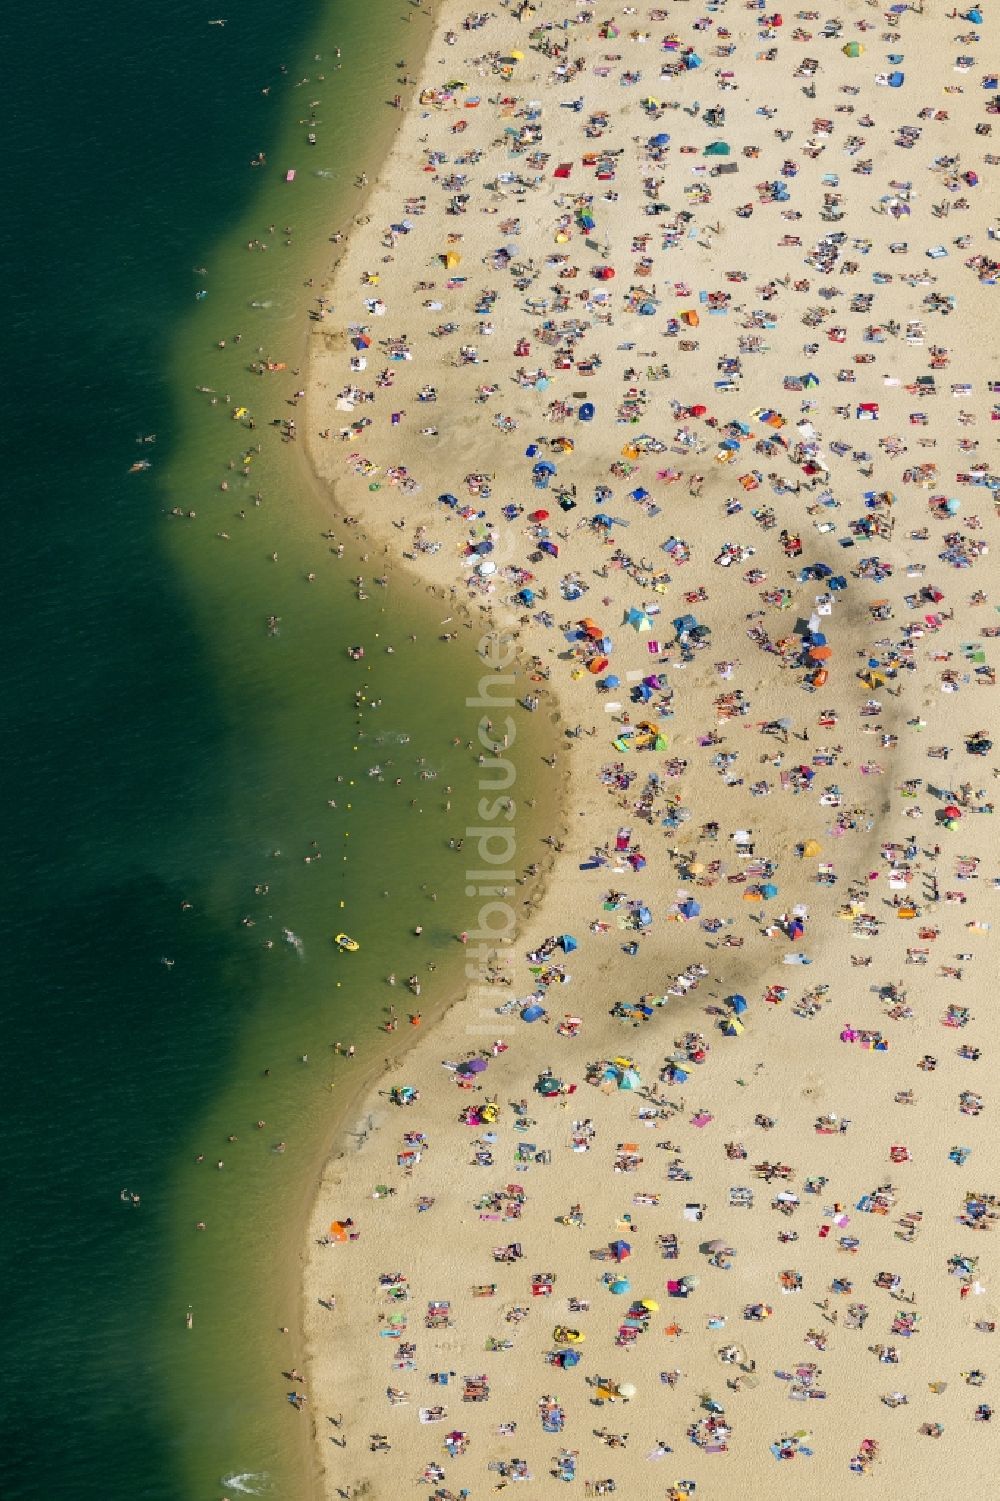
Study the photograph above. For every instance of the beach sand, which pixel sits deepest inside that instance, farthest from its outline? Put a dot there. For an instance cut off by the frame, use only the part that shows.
(804, 1184)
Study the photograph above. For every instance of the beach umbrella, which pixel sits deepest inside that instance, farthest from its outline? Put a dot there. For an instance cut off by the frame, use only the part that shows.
(550, 548)
(626, 1390)
(690, 908)
(611, 682)
(539, 516)
(713, 1247)
(768, 890)
(811, 848)
(852, 49)
(732, 1027)
(650, 1305)
(951, 811)
(660, 139)
(621, 1249)
(736, 1003)
(567, 943)
(629, 1079)
(569, 1358)
(532, 1013)
(473, 1066)
(621, 1285)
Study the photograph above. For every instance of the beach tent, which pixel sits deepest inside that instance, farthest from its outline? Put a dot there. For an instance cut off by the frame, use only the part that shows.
(638, 619)
(621, 1285)
(567, 944)
(621, 1250)
(717, 148)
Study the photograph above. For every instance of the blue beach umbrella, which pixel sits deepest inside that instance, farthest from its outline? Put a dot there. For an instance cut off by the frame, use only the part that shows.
(621, 1285)
(532, 1013)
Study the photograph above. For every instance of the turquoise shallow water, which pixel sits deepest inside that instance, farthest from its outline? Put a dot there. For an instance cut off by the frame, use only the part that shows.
(161, 746)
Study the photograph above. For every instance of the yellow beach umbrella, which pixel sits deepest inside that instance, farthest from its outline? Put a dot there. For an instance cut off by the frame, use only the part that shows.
(650, 1305)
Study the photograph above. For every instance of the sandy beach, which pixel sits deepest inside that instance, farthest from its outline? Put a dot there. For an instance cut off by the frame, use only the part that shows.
(655, 350)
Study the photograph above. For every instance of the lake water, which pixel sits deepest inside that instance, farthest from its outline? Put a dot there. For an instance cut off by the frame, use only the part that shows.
(164, 745)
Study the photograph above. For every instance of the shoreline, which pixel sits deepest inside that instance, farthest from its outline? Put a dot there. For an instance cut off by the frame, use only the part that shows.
(793, 1062)
(297, 475)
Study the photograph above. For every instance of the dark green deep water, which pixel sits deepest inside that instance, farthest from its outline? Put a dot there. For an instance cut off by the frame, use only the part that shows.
(160, 745)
